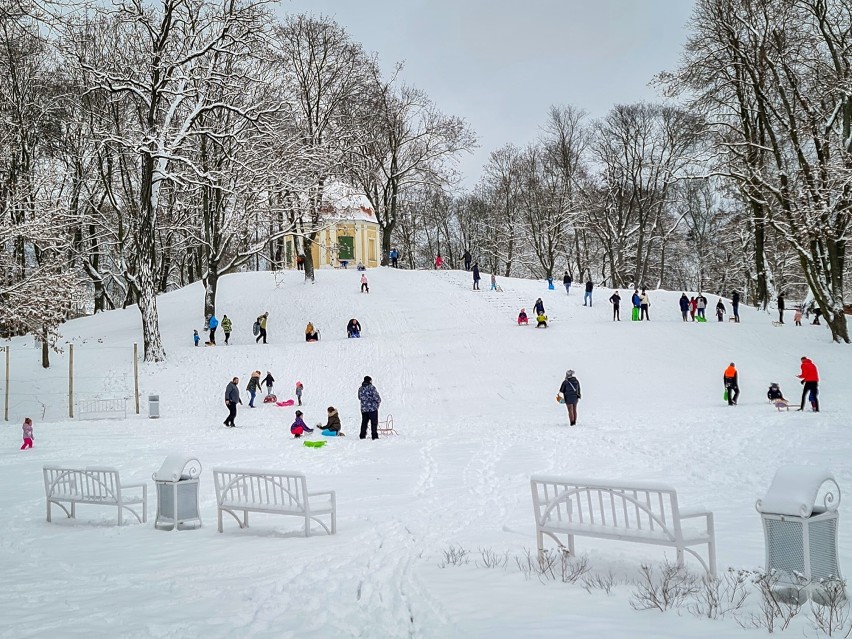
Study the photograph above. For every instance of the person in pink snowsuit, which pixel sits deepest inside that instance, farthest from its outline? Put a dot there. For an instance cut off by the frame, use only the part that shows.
(28, 434)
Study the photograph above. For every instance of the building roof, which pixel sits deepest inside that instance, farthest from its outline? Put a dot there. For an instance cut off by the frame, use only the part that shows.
(341, 202)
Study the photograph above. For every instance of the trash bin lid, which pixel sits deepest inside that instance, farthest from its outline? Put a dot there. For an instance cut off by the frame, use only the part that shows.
(795, 491)
(177, 467)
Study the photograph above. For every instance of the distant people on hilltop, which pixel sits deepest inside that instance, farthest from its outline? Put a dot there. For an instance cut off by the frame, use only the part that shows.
(644, 304)
(720, 310)
(684, 306)
(476, 276)
(394, 256)
(566, 280)
(780, 308)
(588, 296)
(735, 306)
(467, 258)
(439, 261)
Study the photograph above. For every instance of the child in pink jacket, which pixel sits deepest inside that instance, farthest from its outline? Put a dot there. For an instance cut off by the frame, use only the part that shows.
(28, 434)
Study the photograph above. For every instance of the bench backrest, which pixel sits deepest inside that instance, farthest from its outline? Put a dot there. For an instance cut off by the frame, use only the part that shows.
(642, 507)
(91, 484)
(102, 408)
(276, 489)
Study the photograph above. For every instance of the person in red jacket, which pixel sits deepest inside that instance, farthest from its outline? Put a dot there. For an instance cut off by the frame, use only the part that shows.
(810, 379)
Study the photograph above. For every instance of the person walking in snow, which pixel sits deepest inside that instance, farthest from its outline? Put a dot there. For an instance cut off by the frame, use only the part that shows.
(261, 327)
(212, 323)
(720, 310)
(644, 303)
(476, 276)
(634, 299)
(588, 296)
(394, 256)
(268, 381)
(226, 328)
(732, 388)
(797, 316)
(467, 259)
(684, 306)
(28, 434)
(569, 392)
(299, 426)
(300, 388)
(195, 337)
(780, 308)
(615, 300)
(253, 386)
(439, 262)
(538, 307)
(311, 333)
(370, 402)
(809, 376)
(693, 306)
(735, 306)
(493, 282)
(364, 286)
(566, 280)
(232, 398)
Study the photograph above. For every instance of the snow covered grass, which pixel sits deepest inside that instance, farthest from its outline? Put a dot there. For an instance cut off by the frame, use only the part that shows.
(472, 395)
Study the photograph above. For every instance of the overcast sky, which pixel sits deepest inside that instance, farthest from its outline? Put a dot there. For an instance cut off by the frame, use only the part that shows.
(500, 64)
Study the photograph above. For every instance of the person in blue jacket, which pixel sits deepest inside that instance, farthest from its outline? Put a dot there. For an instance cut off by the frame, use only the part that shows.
(570, 394)
(212, 324)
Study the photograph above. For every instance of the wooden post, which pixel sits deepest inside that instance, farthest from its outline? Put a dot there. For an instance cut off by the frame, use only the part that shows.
(71, 380)
(6, 399)
(136, 376)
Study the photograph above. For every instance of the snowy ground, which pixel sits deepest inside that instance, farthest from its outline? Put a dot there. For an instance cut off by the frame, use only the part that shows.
(473, 397)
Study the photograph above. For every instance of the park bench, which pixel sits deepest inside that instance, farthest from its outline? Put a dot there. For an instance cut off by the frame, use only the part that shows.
(275, 492)
(102, 408)
(94, 485)
(637, 512)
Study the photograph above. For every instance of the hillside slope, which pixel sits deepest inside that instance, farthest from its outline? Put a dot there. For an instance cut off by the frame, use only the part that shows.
(472, 395)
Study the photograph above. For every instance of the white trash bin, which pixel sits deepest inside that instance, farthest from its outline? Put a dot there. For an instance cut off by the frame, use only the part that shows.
(800, 523)
(177, 493)
(153, 406)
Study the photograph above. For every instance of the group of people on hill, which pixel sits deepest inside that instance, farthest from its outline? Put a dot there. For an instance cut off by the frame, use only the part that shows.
(808, 376)
(259, 329)
(368, 397)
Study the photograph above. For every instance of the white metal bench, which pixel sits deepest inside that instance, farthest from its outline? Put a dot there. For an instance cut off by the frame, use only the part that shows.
(102, 408)
(96, 485)
(277, 492)
(643, 512)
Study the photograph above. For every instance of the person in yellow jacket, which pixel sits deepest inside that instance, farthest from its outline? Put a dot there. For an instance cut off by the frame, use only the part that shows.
(732, 388)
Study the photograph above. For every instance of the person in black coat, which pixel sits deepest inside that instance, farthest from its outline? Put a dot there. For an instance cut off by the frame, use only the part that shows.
(570, 392)
(476, 276)
(615, 300)
(538, 307)
(232, 398)
(735, 305)
(780, 308)
(588, 296)
(566, 280)
(353, 328)
(466, 257)
(684, 306)
(268, 381)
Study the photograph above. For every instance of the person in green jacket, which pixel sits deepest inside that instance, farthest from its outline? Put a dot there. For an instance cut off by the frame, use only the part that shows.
(226, 327)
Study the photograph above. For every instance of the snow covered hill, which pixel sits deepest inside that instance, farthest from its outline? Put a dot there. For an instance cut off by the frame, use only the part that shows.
(472, 395)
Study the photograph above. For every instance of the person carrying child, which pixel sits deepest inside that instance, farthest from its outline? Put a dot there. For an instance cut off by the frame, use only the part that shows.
(332, 426)
(28, 434)
(522, 317)
(299, 426)
(299, 389)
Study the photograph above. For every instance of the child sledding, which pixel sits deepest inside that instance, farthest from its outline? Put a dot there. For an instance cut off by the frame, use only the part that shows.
(522, 318)
(776, 398)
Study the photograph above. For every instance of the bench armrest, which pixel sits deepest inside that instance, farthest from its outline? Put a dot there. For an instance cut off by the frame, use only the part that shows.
(321, 492)
(690, 513)
(143, 486)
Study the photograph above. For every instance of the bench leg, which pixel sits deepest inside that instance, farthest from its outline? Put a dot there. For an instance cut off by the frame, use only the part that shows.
(48, 510)
(120, 515)
(680, 558)
(245, 519)
(219, 512)
(73, 510)
(539, 542)
(571, 545)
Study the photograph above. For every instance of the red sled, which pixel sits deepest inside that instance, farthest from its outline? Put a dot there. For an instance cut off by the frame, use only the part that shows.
(288, 402)
(525, 321)
(269, 399)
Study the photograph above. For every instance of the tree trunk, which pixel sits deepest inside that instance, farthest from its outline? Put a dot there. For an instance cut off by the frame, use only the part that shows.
(45, 350)
(310, 275)
(210, 287)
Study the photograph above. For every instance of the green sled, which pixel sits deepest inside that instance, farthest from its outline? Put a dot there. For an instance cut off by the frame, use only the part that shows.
(315, 444)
